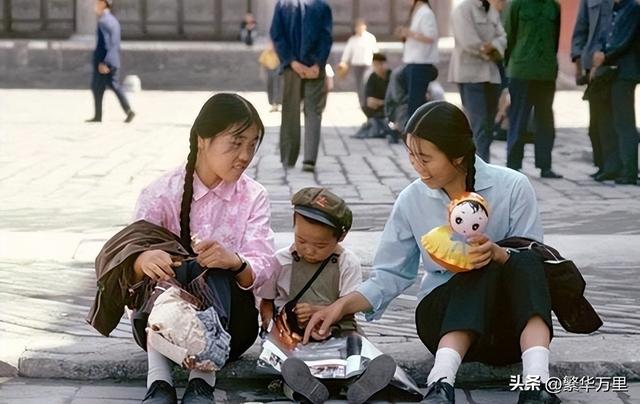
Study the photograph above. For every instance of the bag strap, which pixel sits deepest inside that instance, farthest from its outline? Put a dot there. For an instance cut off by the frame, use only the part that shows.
(306, 287)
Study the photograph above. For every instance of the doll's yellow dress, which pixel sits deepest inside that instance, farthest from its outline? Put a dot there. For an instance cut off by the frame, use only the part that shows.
(446, 250)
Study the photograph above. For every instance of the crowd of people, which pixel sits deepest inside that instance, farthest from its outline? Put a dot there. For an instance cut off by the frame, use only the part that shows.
(505, 66)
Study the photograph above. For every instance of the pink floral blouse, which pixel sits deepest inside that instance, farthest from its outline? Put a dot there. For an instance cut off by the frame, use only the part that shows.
(237, 215)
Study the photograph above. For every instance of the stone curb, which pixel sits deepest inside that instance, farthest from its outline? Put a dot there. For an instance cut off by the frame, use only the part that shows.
(94, 358)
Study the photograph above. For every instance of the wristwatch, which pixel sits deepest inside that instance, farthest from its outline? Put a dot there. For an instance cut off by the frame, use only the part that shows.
(243, 265)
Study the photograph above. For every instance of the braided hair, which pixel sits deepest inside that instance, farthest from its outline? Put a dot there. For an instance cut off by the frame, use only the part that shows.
(221, 112)
(446, 126)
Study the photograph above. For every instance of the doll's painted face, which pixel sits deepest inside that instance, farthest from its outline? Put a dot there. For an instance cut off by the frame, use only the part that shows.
(468, 218)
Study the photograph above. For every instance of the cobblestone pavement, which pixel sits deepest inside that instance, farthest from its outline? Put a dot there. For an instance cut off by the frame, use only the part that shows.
(40, 391)
(56, 172)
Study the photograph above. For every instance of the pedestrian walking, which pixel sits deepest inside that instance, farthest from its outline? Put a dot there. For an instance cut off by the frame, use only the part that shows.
(420, 53)
(269, 62)
(480, 42)
(207, 220)
(497, 313)
(617, 65)
(533, 32)
(301, 34)
(592, 23)
(357, 56)
(106, 61)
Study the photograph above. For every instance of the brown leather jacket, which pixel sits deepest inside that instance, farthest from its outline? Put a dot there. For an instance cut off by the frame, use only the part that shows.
(114, 270)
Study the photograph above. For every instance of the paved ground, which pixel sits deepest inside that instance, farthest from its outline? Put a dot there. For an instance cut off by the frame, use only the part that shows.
(58, 173)
(21, 391)
(69, 184)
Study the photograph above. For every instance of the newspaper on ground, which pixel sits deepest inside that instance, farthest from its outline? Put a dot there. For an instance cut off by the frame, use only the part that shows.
(335, 358)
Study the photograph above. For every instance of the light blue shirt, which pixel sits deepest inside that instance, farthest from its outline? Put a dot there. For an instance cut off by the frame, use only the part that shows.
(513, 211)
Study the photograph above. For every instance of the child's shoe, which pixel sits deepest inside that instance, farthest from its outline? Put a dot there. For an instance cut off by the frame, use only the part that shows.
(160, 392)
(298, 378)
(198, 392)
(376, 376)
(440, 393)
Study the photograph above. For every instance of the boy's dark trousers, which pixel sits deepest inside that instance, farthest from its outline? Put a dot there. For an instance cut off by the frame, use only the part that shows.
(99, 83)
(526, 94)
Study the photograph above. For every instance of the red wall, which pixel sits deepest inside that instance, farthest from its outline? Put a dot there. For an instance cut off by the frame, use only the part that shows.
(569, 12)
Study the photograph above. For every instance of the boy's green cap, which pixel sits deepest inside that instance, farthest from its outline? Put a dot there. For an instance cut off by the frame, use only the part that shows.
(324, 206)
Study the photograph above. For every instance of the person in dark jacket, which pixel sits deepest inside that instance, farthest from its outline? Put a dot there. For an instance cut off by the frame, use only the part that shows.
(106, 61)
(594, 18)
(620, 54)
(301, 33)
(533, 32)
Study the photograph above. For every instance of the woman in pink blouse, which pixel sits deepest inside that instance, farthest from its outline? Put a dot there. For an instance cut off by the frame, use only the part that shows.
(219, 211)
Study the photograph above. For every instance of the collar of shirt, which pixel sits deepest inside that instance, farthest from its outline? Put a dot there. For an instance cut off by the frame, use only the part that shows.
(483, 181)
(224, 190)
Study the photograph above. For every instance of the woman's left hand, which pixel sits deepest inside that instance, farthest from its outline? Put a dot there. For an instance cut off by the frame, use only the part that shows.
(212, 254)
(483, 251)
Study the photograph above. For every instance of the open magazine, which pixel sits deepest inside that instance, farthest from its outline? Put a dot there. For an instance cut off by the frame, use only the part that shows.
(334, 358)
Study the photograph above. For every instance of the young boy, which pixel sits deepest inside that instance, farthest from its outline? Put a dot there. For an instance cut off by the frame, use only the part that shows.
(321, 221)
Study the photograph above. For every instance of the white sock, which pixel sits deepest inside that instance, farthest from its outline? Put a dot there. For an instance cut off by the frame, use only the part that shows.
(159, 367)
(535, 362)
(446, 365)
(209, 377)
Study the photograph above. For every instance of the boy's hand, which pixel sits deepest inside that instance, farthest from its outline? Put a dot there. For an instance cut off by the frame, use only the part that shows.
(266, 313)
(304, 311)
(212, 254)
(156, 264)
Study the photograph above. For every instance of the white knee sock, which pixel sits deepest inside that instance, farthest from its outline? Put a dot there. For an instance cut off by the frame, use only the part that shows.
(535, 362)
(446, 365)
(159, 367)
(209, 377)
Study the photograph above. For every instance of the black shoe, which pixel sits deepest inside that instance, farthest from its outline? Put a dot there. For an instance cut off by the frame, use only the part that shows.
(376, 377)
(603, 176)
(549, 173)
(94, 120)
(130, 116)
(594, 175)
(541, 396)
(440, 393)
(198, 392)
(297, 376)
(308, 167)
(626, 180)
(160, 392)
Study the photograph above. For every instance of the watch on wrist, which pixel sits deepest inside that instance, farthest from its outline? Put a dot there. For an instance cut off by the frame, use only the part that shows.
(243, 265)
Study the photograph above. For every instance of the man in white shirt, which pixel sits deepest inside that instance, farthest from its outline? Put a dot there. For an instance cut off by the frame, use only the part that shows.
(358, 54)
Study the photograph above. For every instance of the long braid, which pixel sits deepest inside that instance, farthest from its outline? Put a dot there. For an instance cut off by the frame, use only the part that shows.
(187, 195)
(470, 159)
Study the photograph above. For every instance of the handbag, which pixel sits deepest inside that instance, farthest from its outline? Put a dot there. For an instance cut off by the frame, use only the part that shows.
(286, 323)
(185, 324)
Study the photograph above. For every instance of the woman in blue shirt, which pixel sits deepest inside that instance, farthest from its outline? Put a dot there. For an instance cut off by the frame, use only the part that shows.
(498, 313)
